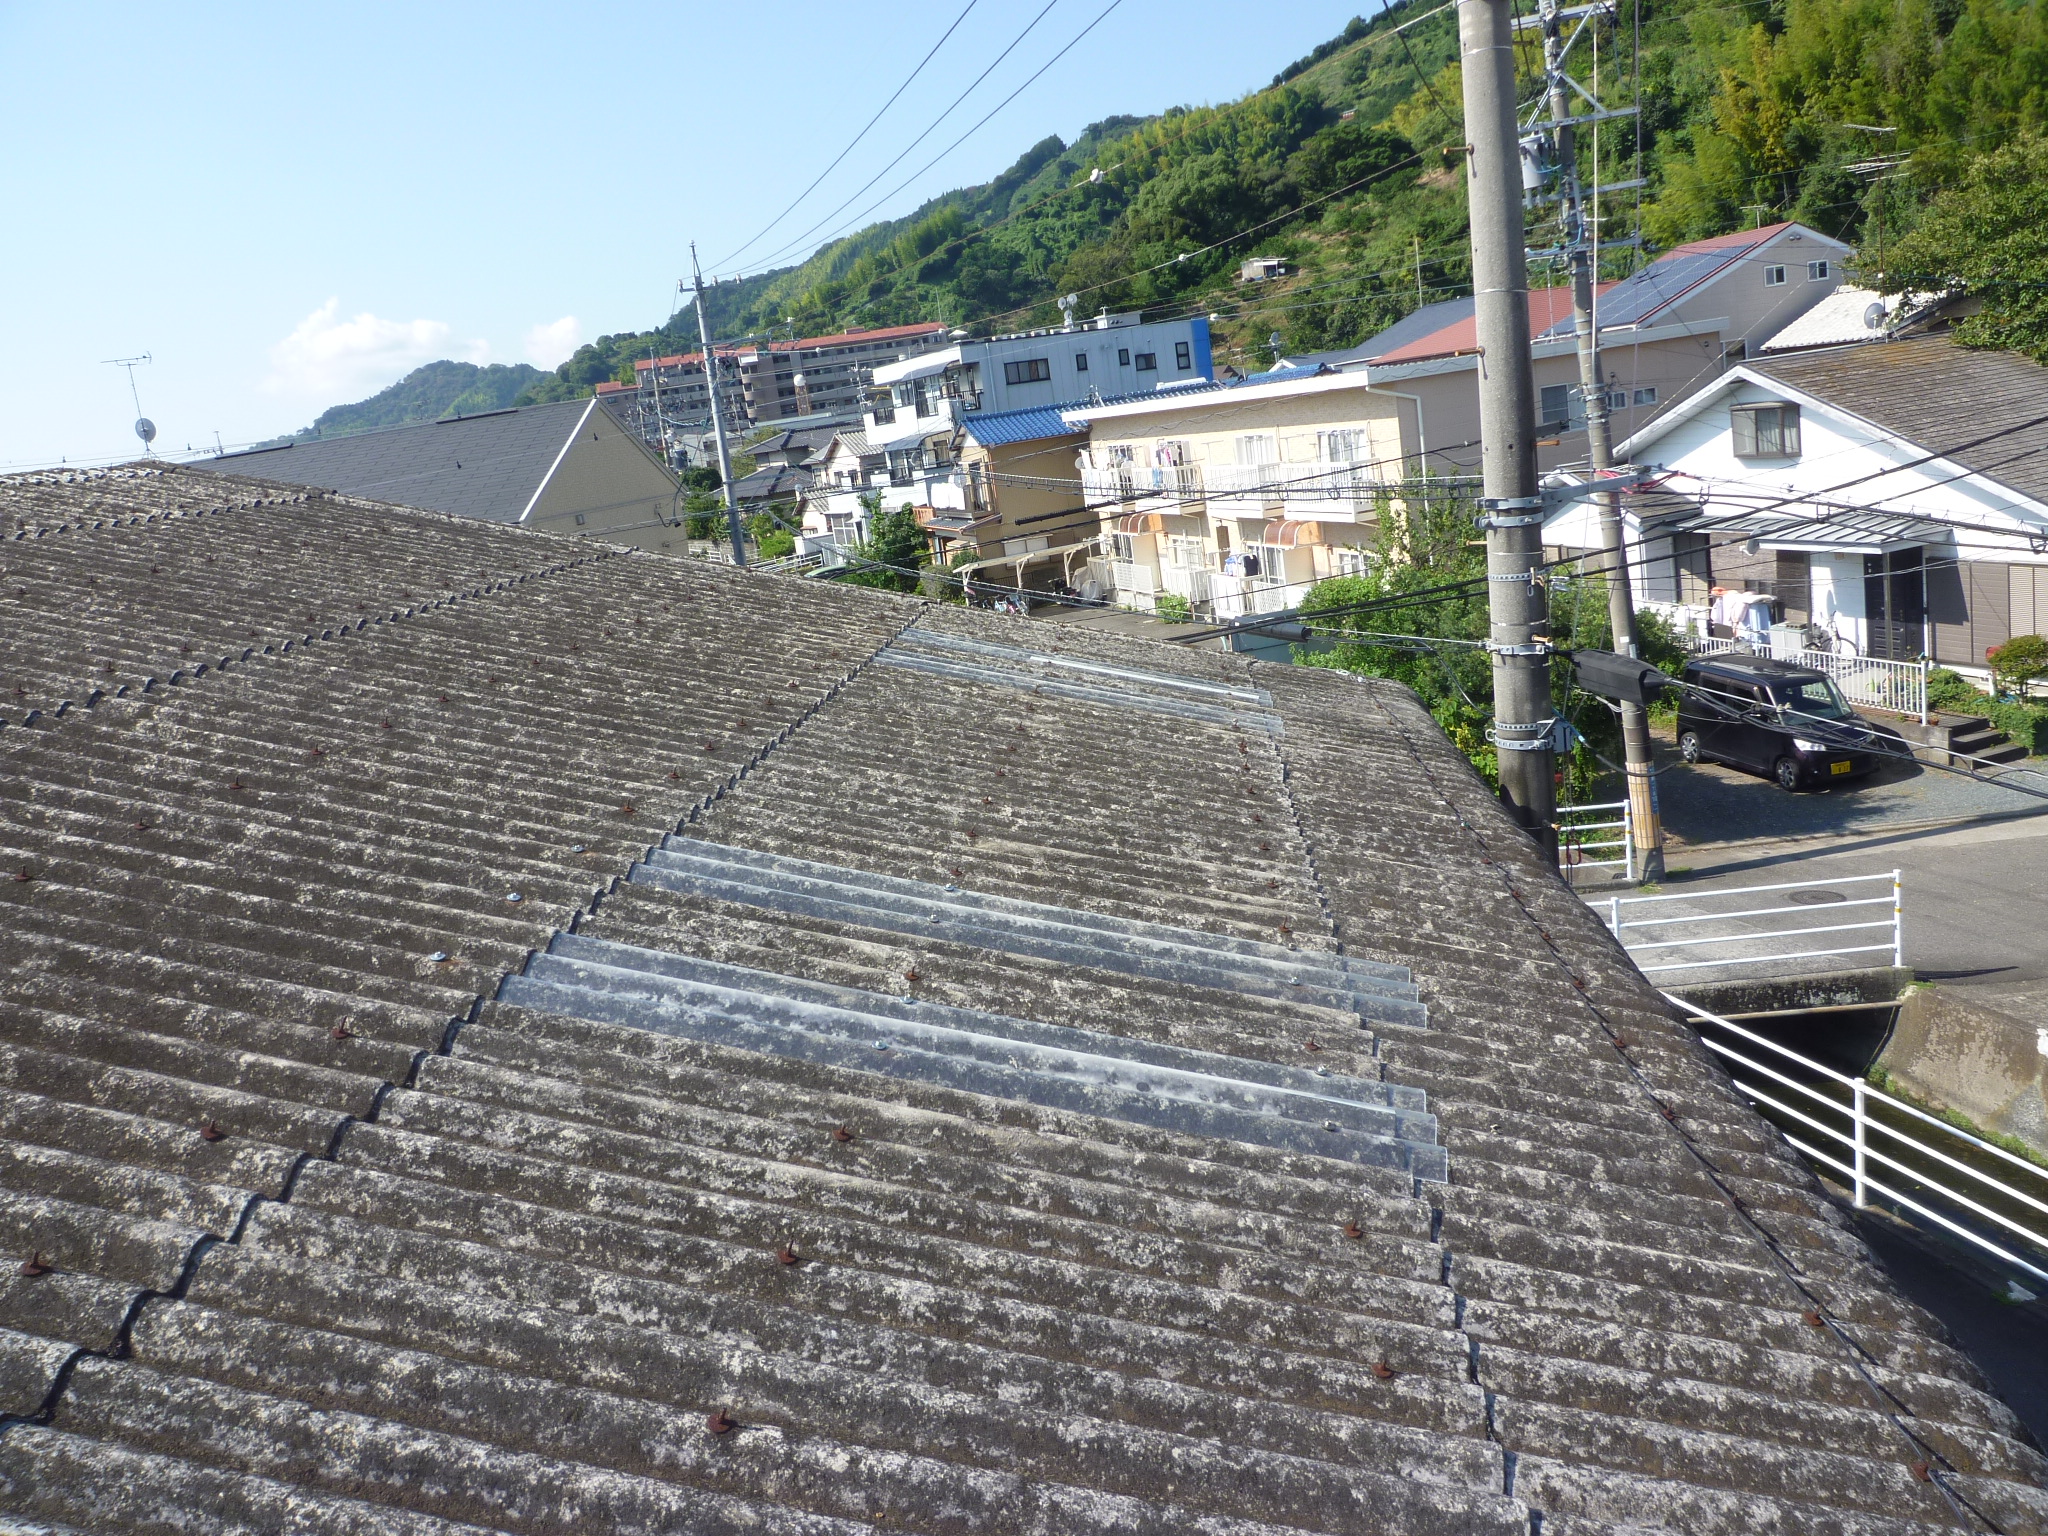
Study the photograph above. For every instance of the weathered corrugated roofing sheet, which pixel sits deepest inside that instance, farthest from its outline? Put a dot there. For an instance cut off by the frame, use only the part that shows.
(326, 1221)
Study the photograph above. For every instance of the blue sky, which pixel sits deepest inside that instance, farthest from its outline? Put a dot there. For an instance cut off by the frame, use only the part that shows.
(290, 206)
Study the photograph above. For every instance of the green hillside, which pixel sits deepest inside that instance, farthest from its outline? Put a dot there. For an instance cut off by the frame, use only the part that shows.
(430, 391)
(1349, 165)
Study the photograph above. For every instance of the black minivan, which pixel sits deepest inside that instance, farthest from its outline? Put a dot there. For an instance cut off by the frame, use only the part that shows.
(1771, 717)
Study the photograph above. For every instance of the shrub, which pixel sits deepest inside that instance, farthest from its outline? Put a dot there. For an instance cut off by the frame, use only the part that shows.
(776, 544)
(2017, 663)
(1173, 608)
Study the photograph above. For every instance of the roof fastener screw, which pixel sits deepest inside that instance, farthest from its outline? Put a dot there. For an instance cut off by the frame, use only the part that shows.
(911, 974)
(438, 956)
(514, 896)
(33, 1265)
(1329, 1125)
(209, 1130)
(956, 872)
(342, 1032)
(721, 1423)
(1353, 1230)
(1265, 847)
(1922, 1471)
(788, 1257)
(1272, 885)
(1384, 1371)
(384, 726)
(144, 826)
(24, 875)
(841, 1133)
(577, 849)
(1312, 1045)
(1815, 1320)
(1623, 1043)
(626, 809)
(1285, 929)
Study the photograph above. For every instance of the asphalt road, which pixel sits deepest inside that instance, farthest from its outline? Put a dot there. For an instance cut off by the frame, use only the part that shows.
(1975, 901)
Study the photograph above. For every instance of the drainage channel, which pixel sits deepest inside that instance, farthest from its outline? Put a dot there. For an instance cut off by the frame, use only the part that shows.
(1958, 1217)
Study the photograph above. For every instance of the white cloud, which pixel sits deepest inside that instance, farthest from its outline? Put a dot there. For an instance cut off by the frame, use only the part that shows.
(326, 356)
(549, 346)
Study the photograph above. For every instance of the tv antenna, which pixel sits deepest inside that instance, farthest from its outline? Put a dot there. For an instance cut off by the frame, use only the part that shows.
(144, 427)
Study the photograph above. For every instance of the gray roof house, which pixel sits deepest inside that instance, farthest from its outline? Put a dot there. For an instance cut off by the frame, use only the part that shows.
(568, 467)
(504, 1034)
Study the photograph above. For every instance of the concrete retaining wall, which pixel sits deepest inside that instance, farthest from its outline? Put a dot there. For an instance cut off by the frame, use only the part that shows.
(1963, 1055)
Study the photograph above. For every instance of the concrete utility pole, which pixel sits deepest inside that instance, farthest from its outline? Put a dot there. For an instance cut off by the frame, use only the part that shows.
(1523, 718)
(1582, 244)
(732, 509)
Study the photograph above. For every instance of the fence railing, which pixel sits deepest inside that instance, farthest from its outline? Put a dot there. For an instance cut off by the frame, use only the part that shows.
(1715, 947)
(1598, 836)
(1871, 1133)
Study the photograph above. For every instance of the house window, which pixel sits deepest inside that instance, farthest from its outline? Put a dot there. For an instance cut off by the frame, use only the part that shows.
(1816, 271)
(1255, 448)
(1123, 357)
(1774, 277)
(1345, 446)
(1766, 431)
(1647, 396)
(1148, 362)
(1346, 561)
(1029, 370)
(1559, 407)
(1183, 358)
(1080, 362)
(1121, 548)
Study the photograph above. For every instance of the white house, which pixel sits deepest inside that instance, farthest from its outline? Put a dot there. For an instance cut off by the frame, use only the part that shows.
(1894, 496)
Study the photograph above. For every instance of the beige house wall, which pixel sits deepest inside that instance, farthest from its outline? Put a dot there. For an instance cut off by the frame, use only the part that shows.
(1171, 534)
(607, 485)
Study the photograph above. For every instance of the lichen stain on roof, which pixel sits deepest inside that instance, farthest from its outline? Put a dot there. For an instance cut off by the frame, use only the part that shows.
(345, 1192)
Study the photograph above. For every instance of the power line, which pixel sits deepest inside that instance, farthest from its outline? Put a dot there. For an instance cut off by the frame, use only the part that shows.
(852, 143)
(1048, 64)
(792, 245)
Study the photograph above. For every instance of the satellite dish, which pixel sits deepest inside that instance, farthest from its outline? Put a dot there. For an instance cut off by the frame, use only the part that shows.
(1873, 317)
(145, 429)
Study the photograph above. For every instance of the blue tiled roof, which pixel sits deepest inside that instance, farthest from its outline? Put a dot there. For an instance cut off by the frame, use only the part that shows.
(992, 429)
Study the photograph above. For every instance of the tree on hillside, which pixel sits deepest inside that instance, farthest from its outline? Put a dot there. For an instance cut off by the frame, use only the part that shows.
(1987, 237)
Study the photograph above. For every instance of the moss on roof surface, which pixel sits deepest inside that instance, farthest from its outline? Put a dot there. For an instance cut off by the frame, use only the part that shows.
(321, 1229)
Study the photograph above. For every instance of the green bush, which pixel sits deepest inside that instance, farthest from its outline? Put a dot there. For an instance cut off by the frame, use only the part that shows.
(777, 544)
(2026, 724)
(2017, 663)
(1173, 608)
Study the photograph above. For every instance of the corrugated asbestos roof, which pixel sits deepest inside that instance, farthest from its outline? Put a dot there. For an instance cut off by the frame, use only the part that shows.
(939, 1074)
(1937, 396)
(486, 466)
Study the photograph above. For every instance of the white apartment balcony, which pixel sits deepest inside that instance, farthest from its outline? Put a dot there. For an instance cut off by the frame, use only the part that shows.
(1307, 492)
(906, 424)
(1175, 489)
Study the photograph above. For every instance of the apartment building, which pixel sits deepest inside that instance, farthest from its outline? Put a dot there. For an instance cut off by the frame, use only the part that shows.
(826, 375)
(918, 403)
(1238, 498)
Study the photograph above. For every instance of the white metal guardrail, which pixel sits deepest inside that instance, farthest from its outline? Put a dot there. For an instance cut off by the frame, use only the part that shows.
(1715, 945)
(1601, 836)
(1869, 1140)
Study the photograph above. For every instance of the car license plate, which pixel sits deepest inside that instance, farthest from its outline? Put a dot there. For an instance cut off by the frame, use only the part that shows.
(1838, 767)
